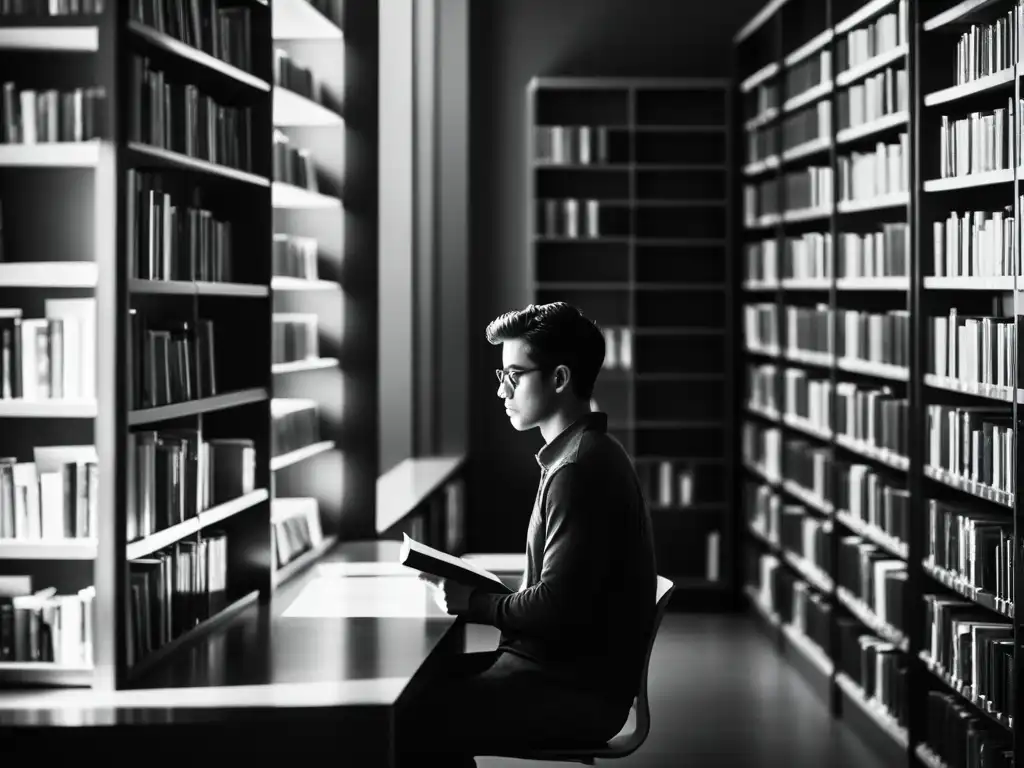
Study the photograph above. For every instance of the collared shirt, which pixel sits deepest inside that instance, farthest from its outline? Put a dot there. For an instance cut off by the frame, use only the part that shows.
(588, 593)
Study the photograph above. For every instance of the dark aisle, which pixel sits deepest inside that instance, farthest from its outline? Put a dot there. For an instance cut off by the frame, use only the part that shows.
(721, 696)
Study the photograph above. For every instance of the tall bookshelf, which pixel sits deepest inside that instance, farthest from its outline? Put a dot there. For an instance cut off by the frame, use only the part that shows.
(309, 244)
(879, 456)
(139, 284)
(629, 220)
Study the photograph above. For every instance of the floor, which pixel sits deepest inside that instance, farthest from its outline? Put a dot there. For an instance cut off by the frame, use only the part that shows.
(721, 696)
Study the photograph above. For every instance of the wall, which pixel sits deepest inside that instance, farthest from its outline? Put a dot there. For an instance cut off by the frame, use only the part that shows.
(424, 187)
(510, 42)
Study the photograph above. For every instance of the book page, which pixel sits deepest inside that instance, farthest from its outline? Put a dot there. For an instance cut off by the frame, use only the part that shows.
(411, 544)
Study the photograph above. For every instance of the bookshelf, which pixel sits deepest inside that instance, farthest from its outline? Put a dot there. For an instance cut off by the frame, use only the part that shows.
(309, 248)
(879, 453)
(145, 466)
(629, 219)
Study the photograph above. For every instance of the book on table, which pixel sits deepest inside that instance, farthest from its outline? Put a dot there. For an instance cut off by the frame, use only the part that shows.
(434, 562)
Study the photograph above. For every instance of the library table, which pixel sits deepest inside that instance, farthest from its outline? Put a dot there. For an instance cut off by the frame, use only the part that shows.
(320, 669)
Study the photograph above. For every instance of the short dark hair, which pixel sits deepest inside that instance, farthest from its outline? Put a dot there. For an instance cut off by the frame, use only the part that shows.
(556, 334)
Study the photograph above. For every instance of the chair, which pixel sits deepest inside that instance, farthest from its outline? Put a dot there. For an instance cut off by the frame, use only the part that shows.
(626, 742)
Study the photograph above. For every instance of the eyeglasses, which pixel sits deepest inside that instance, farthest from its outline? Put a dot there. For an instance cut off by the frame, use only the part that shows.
(513, 375)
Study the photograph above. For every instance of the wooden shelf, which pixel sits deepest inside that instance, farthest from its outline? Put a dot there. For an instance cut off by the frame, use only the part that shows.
(48, 274)
(168, 158)
(290, 196)
(196, 407)
(47, 409)
(50, 155)
(281, 283)
(982, 84)
(295, 110)
(299, 366)
(865, 13)
(300, 454)
(872, 65)
(185, 52)
(969, 180)
(13, 673)
(58, 39)
(208, 517)
(47, 549)
(196, 288)
(871, 127)
(958, 14)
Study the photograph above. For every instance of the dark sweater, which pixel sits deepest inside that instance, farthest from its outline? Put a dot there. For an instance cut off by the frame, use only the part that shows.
(586, 604)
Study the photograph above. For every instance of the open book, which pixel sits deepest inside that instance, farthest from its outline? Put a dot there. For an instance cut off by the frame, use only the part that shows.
(437, 563)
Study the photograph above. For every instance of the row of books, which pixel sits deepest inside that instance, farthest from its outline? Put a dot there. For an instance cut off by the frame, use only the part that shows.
(807, 125)
(296, 528)
(167, 114)
(809, 188)
(53, 497)
(224, 33)
(806, 536)
(875, 500)
(961, 738)
(980, 350)
(295, 424)
(877, 666)
(32, 116)
(969, 644)
(864, 336)
(985, 48)
(178, 473)
(52, 8)
(618, 348)
(761, 387)
(571, 144)
(762, 98)
(808, 398)
(807, 256)
(42, 626)
(806, 464)
(761, 447)
(874, 417)
(293, 165)
(808, 73)
(51, 357)
(295, 336)
(668, 483)
(792, 599)
(886, 32)
(762, 142)
(295, 256)
(761, 326)
(882, 253)
(873, 577)
(870, 175)
(973, 444)
(760, 199)
(568, 218)
(976, 545)
(173, 590)
(975, 244)
(978, 143)
(884, 93)
(761, 261)
(170, 361)
(289, 74)
(172, 238)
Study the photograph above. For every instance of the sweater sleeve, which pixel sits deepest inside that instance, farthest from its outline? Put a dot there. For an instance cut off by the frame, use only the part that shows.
(576, 556)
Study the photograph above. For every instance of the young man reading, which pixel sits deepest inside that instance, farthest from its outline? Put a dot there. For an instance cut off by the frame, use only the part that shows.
(574, 637)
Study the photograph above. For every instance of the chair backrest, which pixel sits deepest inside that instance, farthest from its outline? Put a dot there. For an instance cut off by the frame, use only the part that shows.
(643, 709)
